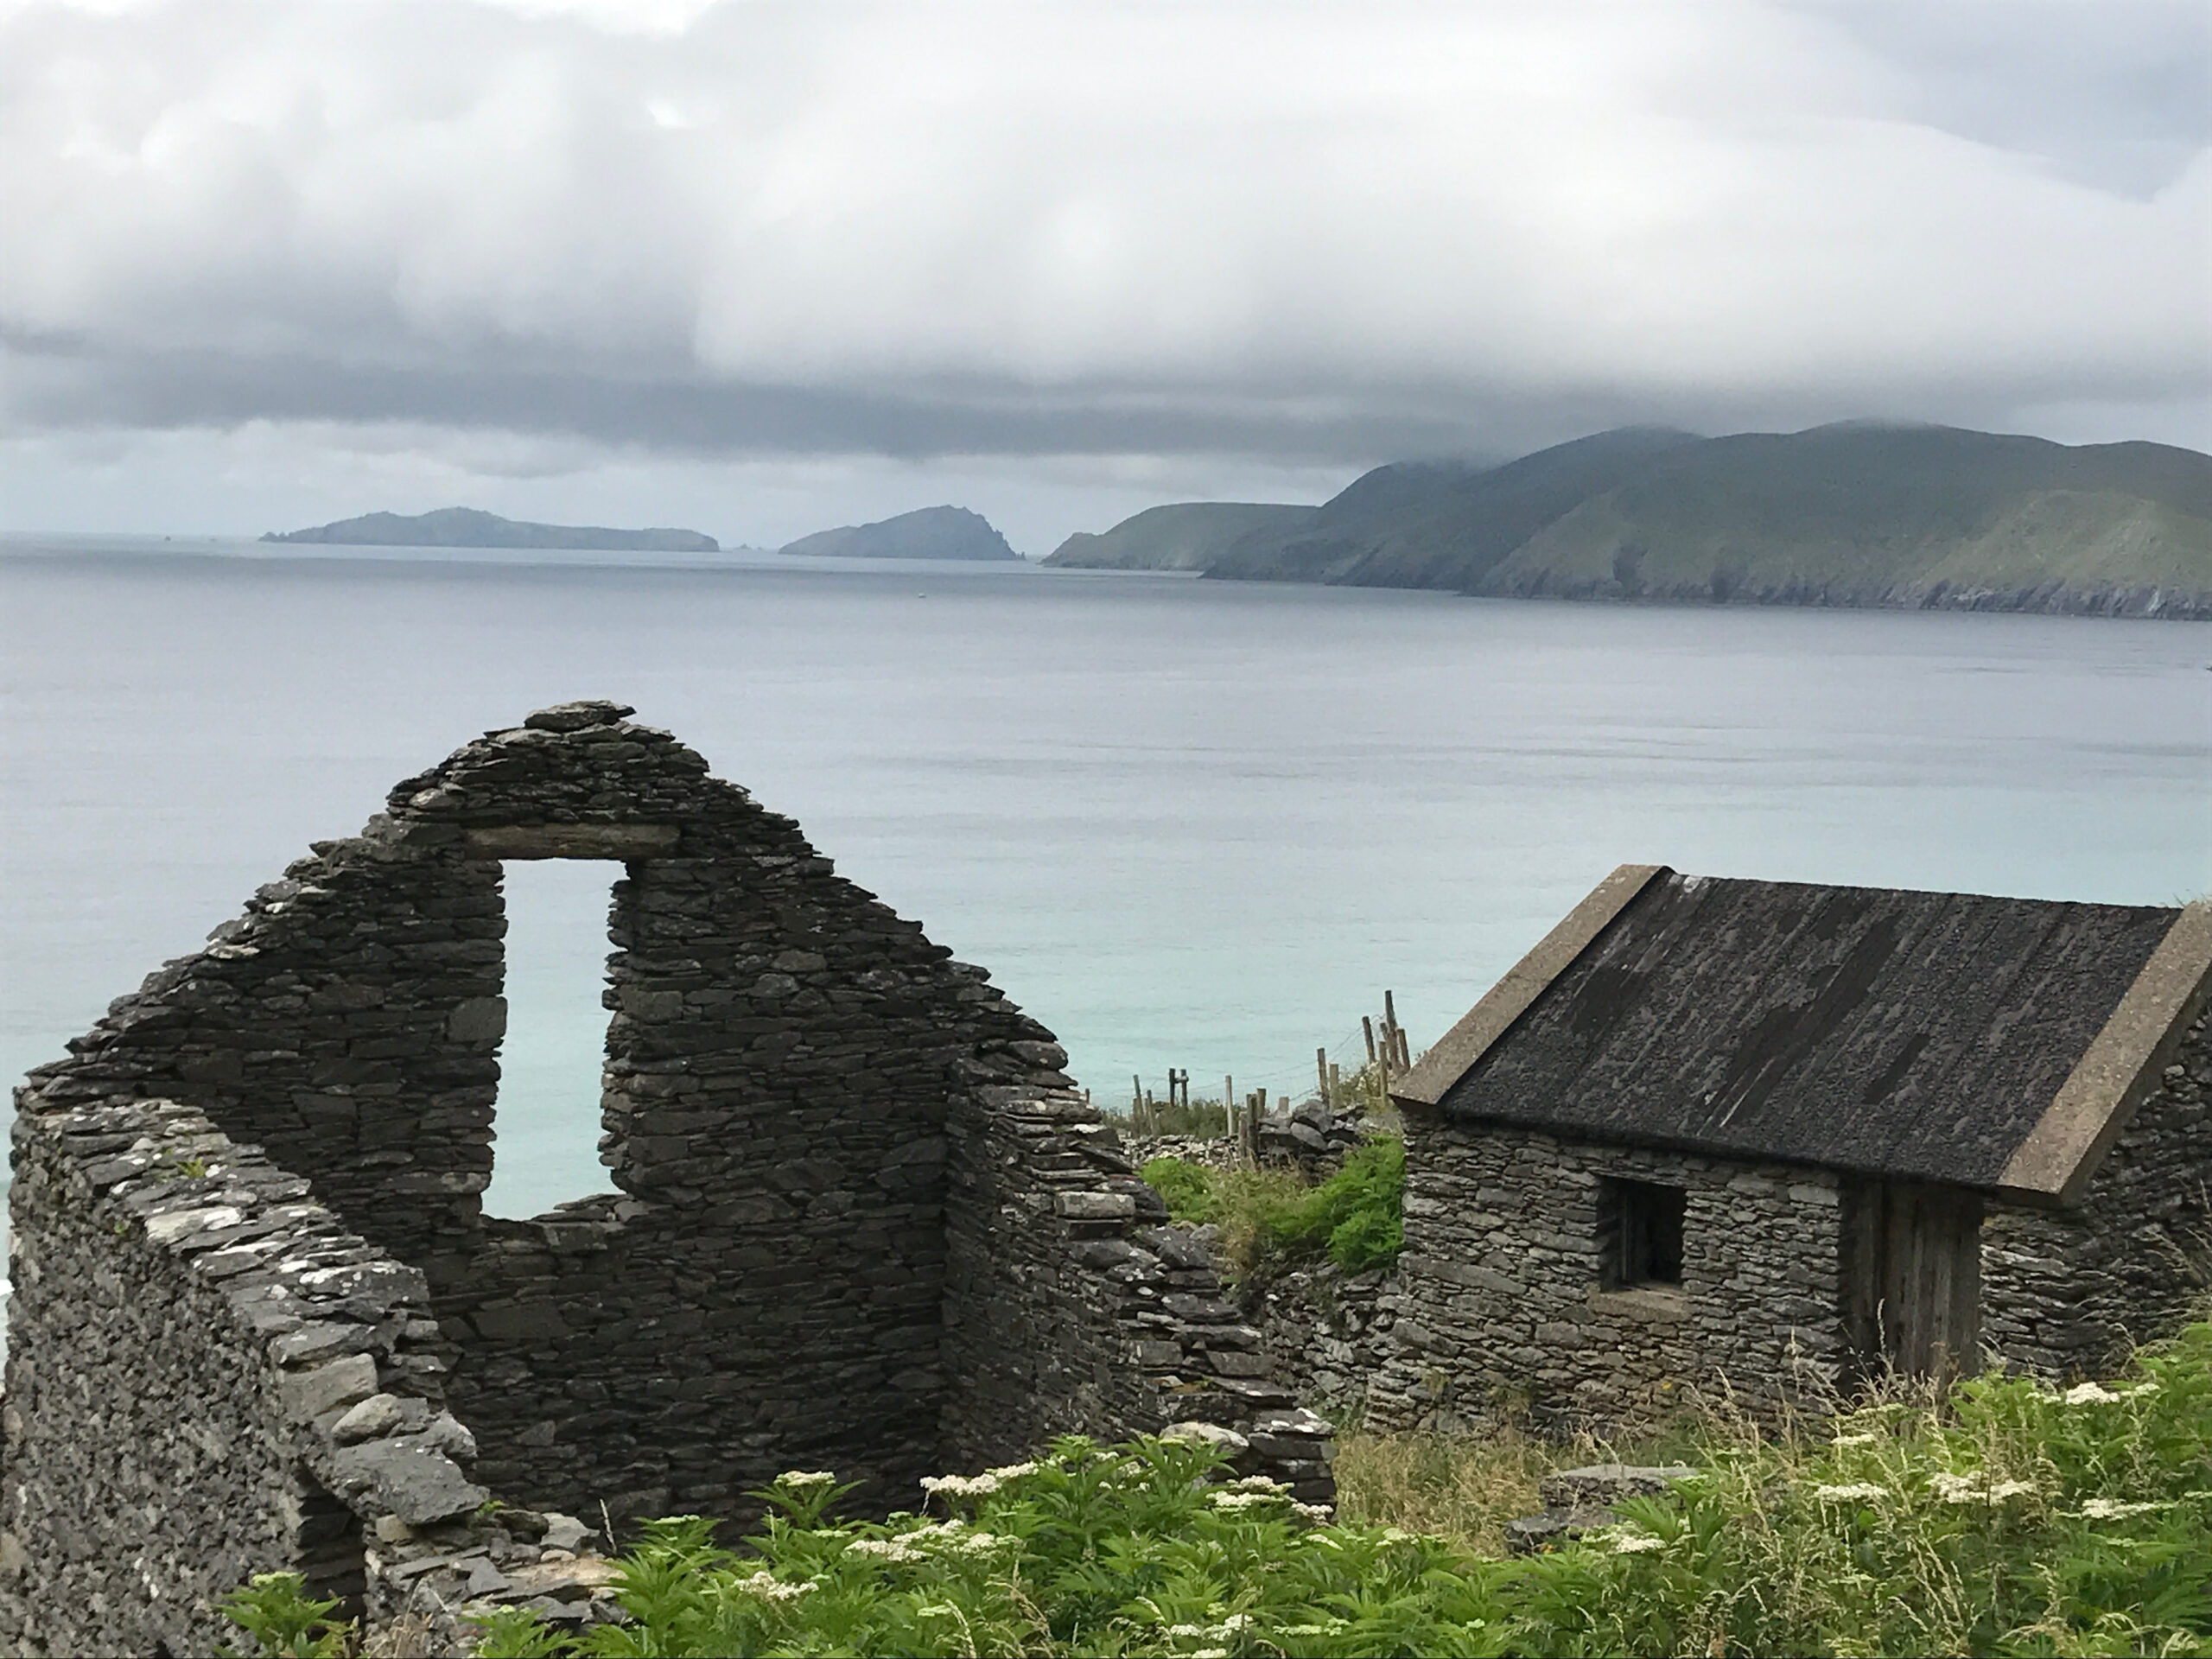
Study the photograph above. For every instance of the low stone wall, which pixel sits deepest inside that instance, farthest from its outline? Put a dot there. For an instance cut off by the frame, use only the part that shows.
(208, 1376)
(2066, 1293)
(1074, 1307)
(1326, 1332)
(1501, 1304)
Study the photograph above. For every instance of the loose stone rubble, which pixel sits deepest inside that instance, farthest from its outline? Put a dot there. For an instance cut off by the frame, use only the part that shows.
(863, 1220)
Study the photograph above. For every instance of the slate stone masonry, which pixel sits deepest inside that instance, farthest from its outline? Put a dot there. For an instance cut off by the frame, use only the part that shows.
(862, 1219)
(1500, 1306)
(207, 1376)
(2066, 1293)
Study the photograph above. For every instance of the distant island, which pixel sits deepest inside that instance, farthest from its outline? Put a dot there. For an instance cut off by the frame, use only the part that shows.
(927, 533)
(1855, 514)
(467, 527)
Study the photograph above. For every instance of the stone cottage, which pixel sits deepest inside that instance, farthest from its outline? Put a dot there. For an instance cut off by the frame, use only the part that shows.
(1784, 1134)
(860, 1220)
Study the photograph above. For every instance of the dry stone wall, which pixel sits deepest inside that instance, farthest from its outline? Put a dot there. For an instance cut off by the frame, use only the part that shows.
(2066, 1293)
(207, 1376)
(862, 1219)
(1500, 1306)
(1326, 1333)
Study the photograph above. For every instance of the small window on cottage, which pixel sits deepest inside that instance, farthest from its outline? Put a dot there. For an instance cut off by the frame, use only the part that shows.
(1640, 1224)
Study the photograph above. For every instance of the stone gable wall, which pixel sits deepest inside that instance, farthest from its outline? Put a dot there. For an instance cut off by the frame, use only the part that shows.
(863, 1220)
(1498, 1308)
(2066, 1293)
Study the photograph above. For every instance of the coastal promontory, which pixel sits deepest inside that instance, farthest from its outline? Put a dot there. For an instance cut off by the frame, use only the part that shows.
(1857, 513)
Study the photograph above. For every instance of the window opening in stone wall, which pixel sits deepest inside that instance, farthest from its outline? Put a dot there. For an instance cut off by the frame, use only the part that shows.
(1640, 1227)
(547, 1122)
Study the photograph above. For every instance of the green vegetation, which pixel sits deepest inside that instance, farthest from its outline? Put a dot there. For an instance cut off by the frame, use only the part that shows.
(1853, 513)
(284, 1621)
(1857, 512)
(1189, 535)
(1204, 1118)
(1274, 1217)
(2004, 1518)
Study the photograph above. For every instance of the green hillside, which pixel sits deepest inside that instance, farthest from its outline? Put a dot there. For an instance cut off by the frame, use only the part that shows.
(1895, 516)
(1444, 524)
(1857, 513)
(1186, 535)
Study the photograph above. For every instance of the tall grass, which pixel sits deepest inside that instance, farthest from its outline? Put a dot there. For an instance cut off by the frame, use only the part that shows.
(1276, 1217)
(1462, 1489)
(2002, 1517)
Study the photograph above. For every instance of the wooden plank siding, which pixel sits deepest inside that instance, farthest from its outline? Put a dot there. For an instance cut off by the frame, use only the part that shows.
(1911, 1277)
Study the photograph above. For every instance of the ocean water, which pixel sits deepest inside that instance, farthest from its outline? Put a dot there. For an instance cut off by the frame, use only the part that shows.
(1191, 824)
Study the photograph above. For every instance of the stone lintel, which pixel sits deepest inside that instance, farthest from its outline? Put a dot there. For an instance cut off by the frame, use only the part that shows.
(622, 840)
(2117, 1072)
(1457, 1051)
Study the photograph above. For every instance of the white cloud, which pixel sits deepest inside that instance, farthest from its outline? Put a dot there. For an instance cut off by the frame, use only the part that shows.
(1113, 226)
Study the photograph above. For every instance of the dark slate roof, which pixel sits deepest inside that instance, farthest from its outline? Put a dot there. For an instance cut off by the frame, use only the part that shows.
(1909, 1035)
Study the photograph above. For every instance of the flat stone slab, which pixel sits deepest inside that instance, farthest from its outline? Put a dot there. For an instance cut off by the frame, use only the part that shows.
(1534, 1534)
(1600, 1483)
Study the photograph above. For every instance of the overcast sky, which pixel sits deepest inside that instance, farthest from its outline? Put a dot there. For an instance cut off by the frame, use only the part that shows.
(757, 268)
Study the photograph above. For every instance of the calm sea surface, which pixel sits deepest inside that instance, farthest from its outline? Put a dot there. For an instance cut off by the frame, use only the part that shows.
(1184, 824)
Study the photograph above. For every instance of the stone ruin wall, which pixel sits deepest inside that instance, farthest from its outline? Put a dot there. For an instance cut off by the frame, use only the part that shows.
(190, 1337)
(1499, 1310)
(2066, 1293)
(863, 1220)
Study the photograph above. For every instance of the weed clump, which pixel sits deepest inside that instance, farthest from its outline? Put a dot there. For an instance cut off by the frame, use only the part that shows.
(1274, 1219)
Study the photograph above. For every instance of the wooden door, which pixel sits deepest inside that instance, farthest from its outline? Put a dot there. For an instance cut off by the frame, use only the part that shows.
(1911, 1276)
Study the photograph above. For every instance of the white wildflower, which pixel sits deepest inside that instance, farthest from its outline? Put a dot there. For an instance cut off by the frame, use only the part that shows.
(1235, 1623)
(1854, 1491)
(1255, 1484)
(1187, 1630)
(1209, 1653)
(1636, 1543)
(1319, 1514)
(981, 1543)
(2089, 1393)
(806, 1480)
(1221, 1500)
(1854, 1439)
(960, 1485)
(769, 1587)
(890, 1549)
(1957, 1488)
(2004, 1489)
(1011, 1471)
(2113, 1508)
(1393, 1535)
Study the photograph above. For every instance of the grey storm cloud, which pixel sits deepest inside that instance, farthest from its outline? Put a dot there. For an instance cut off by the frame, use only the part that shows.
(1280, 229)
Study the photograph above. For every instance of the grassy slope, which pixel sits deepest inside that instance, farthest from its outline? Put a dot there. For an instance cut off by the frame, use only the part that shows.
(1188, 536)
(1871, 515)
(1444, 524)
